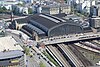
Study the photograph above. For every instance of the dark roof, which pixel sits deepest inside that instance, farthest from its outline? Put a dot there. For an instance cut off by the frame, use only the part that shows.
(10, 54)
(44, 21)
(87, 30)
(47, 23)
(23, 20)
(33, 28)
(60, 15)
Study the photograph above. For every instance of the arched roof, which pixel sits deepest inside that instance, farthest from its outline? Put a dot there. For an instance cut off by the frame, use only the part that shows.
(49, 21)
(70, 24)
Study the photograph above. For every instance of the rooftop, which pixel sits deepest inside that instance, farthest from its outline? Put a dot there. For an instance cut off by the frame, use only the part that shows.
(61, 15)
(10, 54)
(47, 20)
(9, 43)
(72, 17)
(55, 5)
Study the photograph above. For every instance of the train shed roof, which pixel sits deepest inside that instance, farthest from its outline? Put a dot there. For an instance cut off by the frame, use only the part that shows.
(49, 21)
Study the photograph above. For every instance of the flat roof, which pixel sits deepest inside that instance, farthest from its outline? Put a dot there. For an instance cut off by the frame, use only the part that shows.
(61, 15)
(96, 18)
(55, 5)
(10, 54)
(9, 43)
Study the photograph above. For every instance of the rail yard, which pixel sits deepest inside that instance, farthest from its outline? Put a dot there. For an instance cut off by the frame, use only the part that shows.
(70, 55)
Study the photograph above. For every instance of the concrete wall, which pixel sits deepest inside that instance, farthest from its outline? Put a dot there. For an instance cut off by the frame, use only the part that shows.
(95, 22)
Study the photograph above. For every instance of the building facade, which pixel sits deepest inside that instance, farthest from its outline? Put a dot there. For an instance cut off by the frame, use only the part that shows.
(20, 9)
(12, 59)
(95, 22)
(52, 9)
(49, 25)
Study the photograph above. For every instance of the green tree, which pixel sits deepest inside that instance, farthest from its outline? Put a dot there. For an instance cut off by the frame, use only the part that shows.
(50, 58)
(26, 50)
(66, 1)
(4, 8)
(20, 4)
(42, 64)
(30, 10)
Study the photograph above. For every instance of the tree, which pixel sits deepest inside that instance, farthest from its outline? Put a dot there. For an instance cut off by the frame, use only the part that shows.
(26, 50)
(66, 1)
(4, 8)
(20, 4)
(42, 64)
(30, 10)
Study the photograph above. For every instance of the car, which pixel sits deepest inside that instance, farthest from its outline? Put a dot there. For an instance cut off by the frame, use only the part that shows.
(31, 55)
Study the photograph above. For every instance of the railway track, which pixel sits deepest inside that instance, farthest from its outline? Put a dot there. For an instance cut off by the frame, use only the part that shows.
(81, 57)
(59, 56)
(91, 45)
(95, 42)
(76, 62)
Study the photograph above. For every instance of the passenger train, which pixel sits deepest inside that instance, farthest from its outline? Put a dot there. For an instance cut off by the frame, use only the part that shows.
(91, 46)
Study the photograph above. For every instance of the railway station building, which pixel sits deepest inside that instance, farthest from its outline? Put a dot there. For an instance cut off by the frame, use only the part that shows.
(48, 25)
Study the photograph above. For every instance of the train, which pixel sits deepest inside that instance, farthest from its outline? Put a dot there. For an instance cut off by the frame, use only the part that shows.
(90, 36)
(91, 46)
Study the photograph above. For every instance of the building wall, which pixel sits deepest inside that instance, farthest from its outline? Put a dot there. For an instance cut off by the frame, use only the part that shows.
(79, 7)
(45, 10)
(93, 11)
(20, 9)
(28, 1)
(66, 10)
(54, 10)
(15, 62)
(95, 23)
(65, 29)
(98, 11)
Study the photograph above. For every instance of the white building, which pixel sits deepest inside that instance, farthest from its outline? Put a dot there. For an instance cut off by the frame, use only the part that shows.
(79, 1)
(52, 9)
(84, 6)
